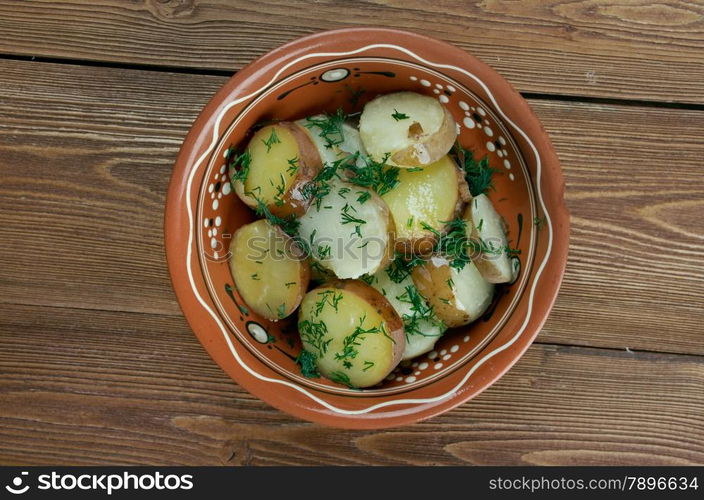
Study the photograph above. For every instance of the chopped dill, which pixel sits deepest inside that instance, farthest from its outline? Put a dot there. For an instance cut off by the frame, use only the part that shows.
(313, 334)
(420, 312)
(477, 173)
(351, 342)
(363, 197)
(378, 176)
(342, 378)
(399, 116)
(292, 166)
(239, 163)
(401, 268)
(327, 297)
(368, 279)
(273, 139)
(368, 365)
(307, 361)
(330, 126)
(355, 95)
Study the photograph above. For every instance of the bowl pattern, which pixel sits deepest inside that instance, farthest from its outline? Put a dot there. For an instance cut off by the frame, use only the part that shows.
(345, 69)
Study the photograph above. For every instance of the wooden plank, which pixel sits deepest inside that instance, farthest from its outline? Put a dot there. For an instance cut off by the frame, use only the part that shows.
(602, 48)
(85, 156)
(100, 387)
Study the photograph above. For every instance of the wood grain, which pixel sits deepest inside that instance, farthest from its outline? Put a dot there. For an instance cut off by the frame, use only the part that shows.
(85, 156)
(106, 387)
(601, 48)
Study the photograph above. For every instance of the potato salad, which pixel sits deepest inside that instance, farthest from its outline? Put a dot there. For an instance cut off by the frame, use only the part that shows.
(375, 230)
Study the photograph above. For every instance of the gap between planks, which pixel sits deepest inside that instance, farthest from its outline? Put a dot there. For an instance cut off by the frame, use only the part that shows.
(215, 72)
(606, 351)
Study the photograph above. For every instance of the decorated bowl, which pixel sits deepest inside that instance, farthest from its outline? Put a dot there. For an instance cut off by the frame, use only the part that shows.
(345, 69)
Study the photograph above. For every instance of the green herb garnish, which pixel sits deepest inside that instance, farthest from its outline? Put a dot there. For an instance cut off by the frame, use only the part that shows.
(378, 176)
(292, 166)
(313, 334)
(307, 361)
(399, 116)
(327, 297)
(363, 197)
(330, 127)
(420, 311)
(478, 174)
(342, 378)
(273, 139)
(240, 164)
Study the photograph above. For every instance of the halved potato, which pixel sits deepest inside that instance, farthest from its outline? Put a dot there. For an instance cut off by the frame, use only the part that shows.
(420, 323)
(486, 227)
(355, 335)
(413, 129)
(328, 148)
(458, 297)
(423, 202)
(269, 270)
(283, 159)
(349, 230)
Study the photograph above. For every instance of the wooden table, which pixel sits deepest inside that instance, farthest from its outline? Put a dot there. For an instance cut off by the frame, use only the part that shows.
(97, 364)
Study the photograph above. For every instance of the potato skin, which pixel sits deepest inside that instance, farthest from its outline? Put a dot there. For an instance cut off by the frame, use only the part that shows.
(430, 278)
(430, 149)
(309, 164)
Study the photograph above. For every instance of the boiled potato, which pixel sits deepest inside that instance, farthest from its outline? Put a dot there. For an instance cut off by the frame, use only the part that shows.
(349, 230)
(423, 201)
(282, 160)
(421, 326)
(328, 144)
(486, 227)
(269, 270)
(412, 129)
(458, 297)
(355, 335)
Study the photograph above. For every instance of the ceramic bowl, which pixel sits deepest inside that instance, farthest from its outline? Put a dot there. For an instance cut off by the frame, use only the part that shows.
(345, 68)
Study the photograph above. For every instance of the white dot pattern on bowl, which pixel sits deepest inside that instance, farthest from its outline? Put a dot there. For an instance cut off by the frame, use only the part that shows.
(444, 99)
(425, 83)
(468, 122)
(490, 146)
